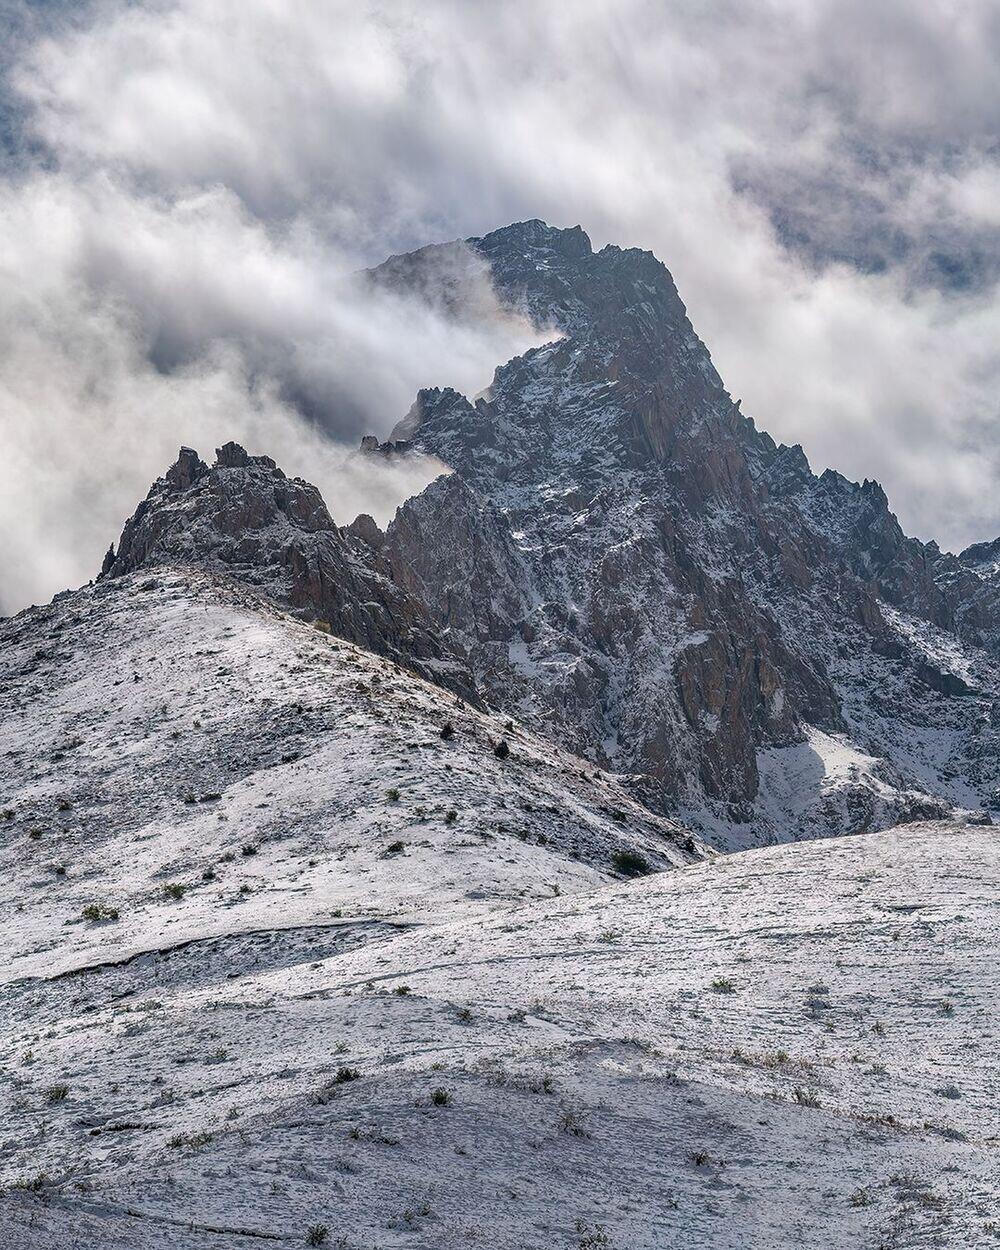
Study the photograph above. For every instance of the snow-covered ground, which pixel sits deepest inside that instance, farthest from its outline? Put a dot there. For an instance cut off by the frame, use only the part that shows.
(483, 1036)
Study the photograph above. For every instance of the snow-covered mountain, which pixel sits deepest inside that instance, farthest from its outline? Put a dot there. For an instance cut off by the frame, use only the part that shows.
(364, 888)
(667, 591)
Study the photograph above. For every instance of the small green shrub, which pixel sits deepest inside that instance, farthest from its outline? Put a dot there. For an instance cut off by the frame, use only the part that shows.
(194, 1141)
(32, 1184)
(440, 1097)
(630, 864)
(99, 911)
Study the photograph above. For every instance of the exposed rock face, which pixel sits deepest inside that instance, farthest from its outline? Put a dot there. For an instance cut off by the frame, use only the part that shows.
(636, 566)
(625, 561)
(246, 517)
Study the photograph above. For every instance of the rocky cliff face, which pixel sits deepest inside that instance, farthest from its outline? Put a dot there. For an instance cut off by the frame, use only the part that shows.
(245, 517)
(669, 591)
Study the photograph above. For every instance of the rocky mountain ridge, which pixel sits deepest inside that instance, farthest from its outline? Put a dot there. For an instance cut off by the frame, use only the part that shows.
(243, 516)
(622, 559)
(699, 596)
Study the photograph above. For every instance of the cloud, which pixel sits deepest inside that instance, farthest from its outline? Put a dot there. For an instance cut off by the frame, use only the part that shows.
(194, 178)
(130, 327)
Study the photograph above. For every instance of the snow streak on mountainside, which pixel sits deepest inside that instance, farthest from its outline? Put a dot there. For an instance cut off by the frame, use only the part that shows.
(634, 567)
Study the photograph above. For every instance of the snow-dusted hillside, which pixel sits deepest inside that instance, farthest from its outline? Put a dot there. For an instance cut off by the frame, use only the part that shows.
(479, 1039)
(177, 735)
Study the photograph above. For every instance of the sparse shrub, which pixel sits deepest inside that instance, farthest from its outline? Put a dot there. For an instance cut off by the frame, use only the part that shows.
(395, 848)
(208, 874)
(32, 1184)
(440, 1097)
(317, 1233)
(99, 911)
(346, 1074)
(805, 1097)
(723, 985)
(595, 1238)
(56, 1093)
(447, 730)
(193, 1141)
(64, 805)
(572, 1122)
(450, 816)
(700, 1158)
(248, 849)
(464, 1014)
(392, 794)
(630, 864)
(34, 834)
(174, 890)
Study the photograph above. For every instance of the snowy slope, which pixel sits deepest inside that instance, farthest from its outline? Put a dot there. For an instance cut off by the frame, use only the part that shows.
(177, 734)
(786, 1047)
(782, 1047)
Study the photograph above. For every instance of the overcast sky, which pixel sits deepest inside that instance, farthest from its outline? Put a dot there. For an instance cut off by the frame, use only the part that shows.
(184, 185)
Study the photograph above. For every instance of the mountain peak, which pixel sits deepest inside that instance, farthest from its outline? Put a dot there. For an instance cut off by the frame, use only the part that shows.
(245, 518)
(571, 243)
